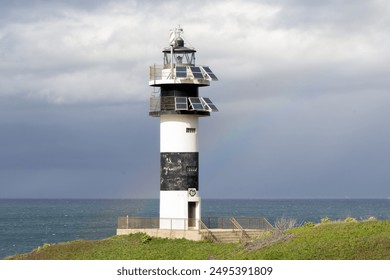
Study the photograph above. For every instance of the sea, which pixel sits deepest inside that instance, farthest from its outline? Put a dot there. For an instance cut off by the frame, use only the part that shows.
(28, 223)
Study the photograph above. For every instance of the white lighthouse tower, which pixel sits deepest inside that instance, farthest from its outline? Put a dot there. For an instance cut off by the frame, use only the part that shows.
(177, 103)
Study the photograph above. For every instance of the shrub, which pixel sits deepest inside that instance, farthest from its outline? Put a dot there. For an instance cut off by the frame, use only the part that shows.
(145, 238)
(283, 223)
(325, 220)
(44, 246)
(208, 239)
(350, 220)
(308, 224)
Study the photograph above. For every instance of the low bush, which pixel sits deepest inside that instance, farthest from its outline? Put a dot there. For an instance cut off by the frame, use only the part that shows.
(350, 220)
(283, 223)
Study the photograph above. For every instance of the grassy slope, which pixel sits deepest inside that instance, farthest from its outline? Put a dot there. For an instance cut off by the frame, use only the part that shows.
(363, 240)
(334, 241)
(130, 247)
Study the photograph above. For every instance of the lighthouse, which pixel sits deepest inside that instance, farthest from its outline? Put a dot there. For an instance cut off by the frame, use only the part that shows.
(176, 101)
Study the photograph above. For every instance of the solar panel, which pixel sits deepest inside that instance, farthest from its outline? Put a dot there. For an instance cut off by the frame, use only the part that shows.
(181, 68)
(196, 104)
(196, 72)
(181, 72)
(213, 107)
(181, 107)
(209, 104)
(197, 75)
(181, 100)
(210, 73)
(181, 103)
(195, 100)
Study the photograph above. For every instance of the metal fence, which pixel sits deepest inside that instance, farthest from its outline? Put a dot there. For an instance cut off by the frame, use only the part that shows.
(154, 104)
(254, 223)
(258, 223)
(154, 223)
(245, 222)
(135, 222)
(156, 72)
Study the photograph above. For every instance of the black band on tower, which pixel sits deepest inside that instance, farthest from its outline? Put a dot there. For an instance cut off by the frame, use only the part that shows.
(179, 171)
(180, 90)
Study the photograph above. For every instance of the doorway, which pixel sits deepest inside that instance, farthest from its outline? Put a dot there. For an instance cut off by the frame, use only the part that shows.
(191, 214)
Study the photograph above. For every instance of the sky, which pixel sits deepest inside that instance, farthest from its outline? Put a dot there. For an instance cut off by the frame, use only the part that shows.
(303, 94)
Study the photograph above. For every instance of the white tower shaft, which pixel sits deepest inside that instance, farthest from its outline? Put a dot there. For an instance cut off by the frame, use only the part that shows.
(179, 171)
(178, 133)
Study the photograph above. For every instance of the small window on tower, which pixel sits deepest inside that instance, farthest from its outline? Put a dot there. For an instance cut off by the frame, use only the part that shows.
(190, 130)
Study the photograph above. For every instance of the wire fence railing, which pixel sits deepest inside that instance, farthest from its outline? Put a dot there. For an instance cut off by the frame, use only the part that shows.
(246, 223)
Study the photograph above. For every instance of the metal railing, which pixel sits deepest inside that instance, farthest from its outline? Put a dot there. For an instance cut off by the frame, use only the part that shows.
(205, 231)
(254, 223)
(156, 73)
(154, 103)
(242, 232)
(258, 223)
(129, 222)
(136, 222)
(245, 223)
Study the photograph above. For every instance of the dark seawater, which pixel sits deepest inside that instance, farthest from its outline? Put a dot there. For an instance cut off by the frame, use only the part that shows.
(28, 223)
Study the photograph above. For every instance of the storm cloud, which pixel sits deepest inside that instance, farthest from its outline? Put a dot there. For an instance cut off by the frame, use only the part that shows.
(303, 97)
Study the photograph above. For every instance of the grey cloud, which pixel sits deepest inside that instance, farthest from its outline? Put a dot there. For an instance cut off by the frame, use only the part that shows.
(303, 97)
(52, 151)
(341, 15)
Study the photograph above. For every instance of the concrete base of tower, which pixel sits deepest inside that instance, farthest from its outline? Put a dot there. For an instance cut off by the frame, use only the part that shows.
(179, 210)
(164, 233)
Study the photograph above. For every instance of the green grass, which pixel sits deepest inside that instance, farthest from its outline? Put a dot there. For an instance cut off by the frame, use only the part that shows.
(329, 241)
(130, 246)
(333, 241)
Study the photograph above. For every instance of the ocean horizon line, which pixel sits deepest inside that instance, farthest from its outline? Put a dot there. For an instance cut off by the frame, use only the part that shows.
(207, 198)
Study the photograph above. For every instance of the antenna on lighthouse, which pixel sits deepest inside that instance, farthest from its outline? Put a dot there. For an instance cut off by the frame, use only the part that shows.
(175, 34)
(172, 38)
(175, 41)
